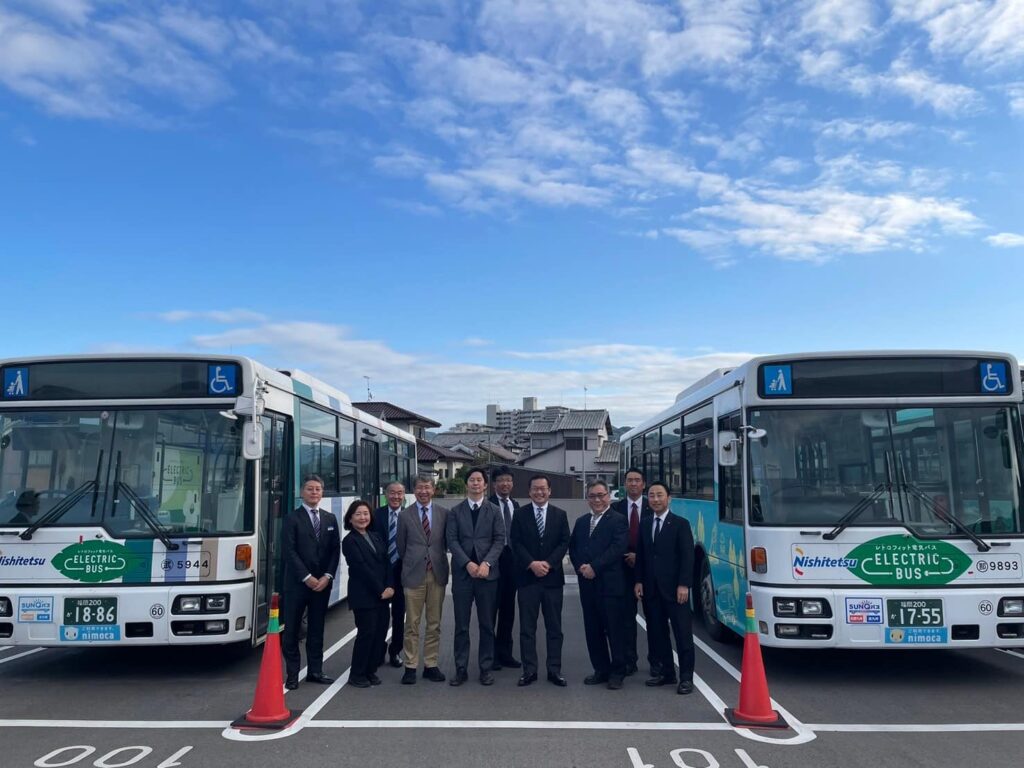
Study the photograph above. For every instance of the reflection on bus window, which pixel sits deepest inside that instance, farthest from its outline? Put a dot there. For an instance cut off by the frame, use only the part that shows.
(814, 465)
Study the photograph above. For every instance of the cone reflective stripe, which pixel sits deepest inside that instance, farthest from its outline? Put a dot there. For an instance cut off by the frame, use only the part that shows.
(755, 707)
(268, 709)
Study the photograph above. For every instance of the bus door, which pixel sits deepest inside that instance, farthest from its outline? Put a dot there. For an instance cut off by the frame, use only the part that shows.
(369, 470)
(274, 506)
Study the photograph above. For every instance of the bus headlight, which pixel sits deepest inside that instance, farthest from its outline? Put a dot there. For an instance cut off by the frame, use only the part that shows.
(218, 603)
(811, 607)
(785, 606)
(189, 604)
(1011, 606)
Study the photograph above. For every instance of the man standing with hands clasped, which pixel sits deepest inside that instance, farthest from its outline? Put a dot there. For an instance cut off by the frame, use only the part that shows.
(311, 547)
(476, 536)
(540, 539)
(596, 548)
(664, 573)
(385, 523)
(502, 480)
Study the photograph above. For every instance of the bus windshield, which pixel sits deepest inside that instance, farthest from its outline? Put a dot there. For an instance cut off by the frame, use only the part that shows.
(111, 467)
(909, 466)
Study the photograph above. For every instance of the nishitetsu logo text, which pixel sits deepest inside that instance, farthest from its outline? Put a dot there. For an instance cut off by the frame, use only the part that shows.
(802, 561)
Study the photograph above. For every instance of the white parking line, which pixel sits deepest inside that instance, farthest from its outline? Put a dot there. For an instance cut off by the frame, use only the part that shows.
(21, 655)
(550, 725)
(1018, 654)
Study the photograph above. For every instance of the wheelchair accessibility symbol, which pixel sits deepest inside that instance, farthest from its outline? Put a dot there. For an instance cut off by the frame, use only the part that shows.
(221, 380)
(993, 378)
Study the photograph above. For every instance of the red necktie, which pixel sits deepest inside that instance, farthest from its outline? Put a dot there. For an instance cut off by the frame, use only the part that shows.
(634, 528)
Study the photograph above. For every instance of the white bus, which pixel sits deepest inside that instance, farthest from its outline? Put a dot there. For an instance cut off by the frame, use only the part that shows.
(141, 496)
(866, 500)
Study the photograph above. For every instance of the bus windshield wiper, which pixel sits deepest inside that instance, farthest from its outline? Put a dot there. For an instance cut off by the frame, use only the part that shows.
(944, 515)
(147, 515)
(858, 509)
(58, 509)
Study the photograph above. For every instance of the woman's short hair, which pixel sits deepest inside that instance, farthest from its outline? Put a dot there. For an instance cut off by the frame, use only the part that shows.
(347, 521)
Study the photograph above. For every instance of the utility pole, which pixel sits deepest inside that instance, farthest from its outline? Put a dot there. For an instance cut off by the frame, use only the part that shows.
(583, 445)
(369, 394)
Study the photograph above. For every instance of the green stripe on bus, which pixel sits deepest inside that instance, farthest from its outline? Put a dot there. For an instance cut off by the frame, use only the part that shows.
(141, 570)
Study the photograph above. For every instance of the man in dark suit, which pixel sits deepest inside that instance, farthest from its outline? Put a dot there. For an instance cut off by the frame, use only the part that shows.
(598, 542)
(633, 508)
(311, 548)
(385, 524)
(664, 572)
(502, 480)
(540, 539)
(476, 536)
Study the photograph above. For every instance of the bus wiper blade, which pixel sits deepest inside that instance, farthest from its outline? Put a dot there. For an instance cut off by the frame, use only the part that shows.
(57, 510)
(147, 516)
(856, 511)
(947, 517)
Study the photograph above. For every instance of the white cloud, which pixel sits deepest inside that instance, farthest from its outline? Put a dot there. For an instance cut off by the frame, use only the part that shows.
(785, 166)
(716, 37)
(227, 316)
(839, 22)
(865, 129)
(987, 33)
(633, 382)
(476, 341)
(1006, 240)
(1015, 96)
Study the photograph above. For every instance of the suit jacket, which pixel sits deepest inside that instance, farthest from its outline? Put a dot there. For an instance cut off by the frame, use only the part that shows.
(528, 546)
(414, 549)
(603, 550)
(304, 553)
(622, 507)
(380, 527)
(369, 571)
(667, 563)
(508, 523)
(485, 540)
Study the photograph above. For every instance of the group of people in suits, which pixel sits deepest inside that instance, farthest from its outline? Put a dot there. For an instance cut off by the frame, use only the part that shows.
(503, 554)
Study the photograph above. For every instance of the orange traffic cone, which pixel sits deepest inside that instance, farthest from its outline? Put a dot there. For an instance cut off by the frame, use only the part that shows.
(268, 710)
(755, 707)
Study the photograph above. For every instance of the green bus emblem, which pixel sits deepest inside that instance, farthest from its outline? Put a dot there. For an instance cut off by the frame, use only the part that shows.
(95, 561)
(902, 560)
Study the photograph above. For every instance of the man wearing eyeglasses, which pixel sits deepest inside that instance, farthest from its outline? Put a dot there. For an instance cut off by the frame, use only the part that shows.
(596, 548)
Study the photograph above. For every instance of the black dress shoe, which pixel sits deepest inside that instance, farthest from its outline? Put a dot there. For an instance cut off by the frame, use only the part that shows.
(409, 676)
(510, 661)
(359, 682)
(291, 684)
(319, 679)
(374, 680)
(630, 669)
(486, 678)
(433, 674)
(527, 679)
(460, 677)
(557, 680)
(614, 682)
(395, 662)
(595, 679)
(685, 687)
(657, 680)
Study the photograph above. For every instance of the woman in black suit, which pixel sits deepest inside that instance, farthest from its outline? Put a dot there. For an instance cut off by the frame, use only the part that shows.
(369, 588)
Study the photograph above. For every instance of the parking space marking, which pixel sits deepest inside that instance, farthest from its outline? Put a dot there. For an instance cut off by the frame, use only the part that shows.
(114, 724)
(1018, 654)
(331, 651)
(915, 727)
(803, 733)
(550, 725)
(21, 655)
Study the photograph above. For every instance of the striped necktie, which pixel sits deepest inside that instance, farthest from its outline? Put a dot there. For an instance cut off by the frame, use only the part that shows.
(540, 521)
(426, 534)
(315, 519)
(392, 534)
(594, 520)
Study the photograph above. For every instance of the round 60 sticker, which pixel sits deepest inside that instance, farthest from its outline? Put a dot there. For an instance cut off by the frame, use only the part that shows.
(156, 610)
(985, 607)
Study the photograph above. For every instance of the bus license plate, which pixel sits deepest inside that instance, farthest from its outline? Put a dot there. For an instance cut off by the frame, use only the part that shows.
(914, 613)
(88, 611)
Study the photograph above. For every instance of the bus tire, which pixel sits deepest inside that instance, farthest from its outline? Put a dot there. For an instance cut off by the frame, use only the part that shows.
(716, 629)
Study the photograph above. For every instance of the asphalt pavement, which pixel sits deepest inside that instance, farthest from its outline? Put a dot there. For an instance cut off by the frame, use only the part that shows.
(160, 708)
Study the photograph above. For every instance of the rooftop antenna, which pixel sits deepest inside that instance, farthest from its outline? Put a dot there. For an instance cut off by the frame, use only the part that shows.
(369, 394)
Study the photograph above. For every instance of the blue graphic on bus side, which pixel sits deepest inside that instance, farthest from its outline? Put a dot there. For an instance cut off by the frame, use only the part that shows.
(993, 378)
(916, 635)
(220, 380)
(778, 380)
(90, 634)
(15, 383)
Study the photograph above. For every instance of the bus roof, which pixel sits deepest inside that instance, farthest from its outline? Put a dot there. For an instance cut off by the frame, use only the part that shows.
(294, 382)
(723, 379)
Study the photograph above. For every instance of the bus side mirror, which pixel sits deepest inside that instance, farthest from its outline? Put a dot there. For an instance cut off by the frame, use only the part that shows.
(252, 440)
(728, 456)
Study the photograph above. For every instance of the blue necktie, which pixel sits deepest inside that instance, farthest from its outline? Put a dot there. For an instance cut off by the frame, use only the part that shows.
(316, 522)
(392, 532)
(540, 522)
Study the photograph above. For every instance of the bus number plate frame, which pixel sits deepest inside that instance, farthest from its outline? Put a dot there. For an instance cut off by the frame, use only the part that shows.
(915, 612)
(90, 611)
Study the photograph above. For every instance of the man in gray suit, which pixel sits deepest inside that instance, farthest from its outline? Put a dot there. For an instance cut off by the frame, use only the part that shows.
(421, 548)
(476, 537)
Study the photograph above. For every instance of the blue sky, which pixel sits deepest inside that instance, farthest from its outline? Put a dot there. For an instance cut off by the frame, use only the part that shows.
(470, 202)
